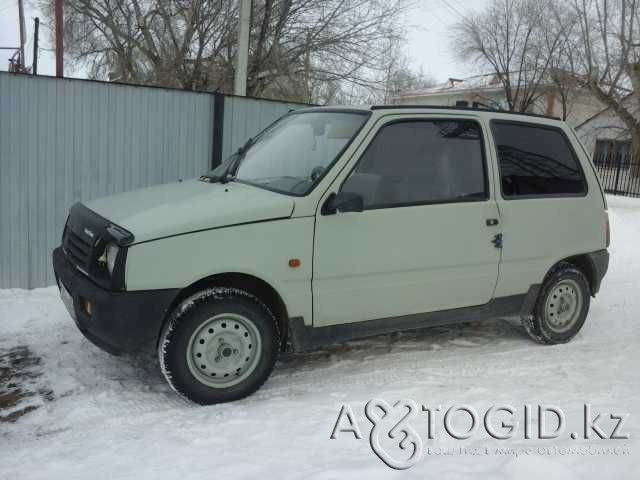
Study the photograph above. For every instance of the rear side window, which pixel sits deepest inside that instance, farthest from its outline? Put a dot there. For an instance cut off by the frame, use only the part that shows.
(536, 161)
(421, 162)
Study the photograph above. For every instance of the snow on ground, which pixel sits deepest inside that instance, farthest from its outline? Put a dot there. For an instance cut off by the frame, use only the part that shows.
(103, 417)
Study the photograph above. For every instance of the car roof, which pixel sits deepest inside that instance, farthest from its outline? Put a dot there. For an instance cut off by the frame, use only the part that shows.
(368, 108)
(463, 109)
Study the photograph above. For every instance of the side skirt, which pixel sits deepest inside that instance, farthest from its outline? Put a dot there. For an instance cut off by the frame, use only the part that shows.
(304, 337)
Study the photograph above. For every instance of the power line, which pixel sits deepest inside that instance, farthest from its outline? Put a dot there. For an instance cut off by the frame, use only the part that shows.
(453, 9)
(450, 8)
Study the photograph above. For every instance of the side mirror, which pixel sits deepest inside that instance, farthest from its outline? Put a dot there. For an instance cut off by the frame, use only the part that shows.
(343, 202)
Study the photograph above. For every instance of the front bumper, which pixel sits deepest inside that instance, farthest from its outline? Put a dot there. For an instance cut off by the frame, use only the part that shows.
(119, 322)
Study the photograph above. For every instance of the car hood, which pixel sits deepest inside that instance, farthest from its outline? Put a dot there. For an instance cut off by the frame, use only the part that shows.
(188, 206)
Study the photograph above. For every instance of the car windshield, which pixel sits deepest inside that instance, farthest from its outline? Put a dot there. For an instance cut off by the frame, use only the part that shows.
(291, 155)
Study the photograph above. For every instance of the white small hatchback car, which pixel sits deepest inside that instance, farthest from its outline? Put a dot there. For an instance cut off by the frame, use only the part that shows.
(338, 223)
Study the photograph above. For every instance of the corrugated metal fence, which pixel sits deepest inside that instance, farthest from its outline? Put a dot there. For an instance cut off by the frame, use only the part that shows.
(244, 118)
(64, 140)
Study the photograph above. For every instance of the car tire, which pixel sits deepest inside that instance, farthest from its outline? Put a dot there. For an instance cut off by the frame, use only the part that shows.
(218, 345)
(562, 306)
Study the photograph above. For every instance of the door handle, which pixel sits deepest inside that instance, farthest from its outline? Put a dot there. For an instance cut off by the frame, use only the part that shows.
(492, 222)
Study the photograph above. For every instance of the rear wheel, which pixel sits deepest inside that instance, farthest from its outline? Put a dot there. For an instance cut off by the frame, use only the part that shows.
(218, 346)
(562, 306)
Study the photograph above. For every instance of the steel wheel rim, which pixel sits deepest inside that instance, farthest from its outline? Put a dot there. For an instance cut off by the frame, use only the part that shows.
(563, 306)
(224, 350)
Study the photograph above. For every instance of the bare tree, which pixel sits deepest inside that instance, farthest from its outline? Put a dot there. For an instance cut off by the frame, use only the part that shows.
(173, 43)
(604, 57)
(399, 76)
(565, 89)
(314, 44)
(299, 49)
(516, 40)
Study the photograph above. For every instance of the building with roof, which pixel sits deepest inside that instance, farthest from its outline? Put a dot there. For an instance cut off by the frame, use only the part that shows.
(487, 91)
(605, 135)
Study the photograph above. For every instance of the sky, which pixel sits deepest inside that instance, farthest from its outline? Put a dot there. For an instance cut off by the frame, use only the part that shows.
(429, 35)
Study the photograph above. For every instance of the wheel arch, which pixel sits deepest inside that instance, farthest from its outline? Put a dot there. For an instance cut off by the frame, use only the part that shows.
(585, 264)
(249, 283)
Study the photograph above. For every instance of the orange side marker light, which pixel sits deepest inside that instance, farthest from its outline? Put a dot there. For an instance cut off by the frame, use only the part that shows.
(294, 262)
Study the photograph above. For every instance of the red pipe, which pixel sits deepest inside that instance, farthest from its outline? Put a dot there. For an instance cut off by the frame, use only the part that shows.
(58, 12)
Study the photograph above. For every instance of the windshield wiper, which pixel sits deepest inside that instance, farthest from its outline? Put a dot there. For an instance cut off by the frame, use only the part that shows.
(243, 149)
(230, 174)
(227, 174)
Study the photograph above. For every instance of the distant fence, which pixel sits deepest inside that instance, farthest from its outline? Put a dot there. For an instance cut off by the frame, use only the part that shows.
(619, 174)
(64, 141)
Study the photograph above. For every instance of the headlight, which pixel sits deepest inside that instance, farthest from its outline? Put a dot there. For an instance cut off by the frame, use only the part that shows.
(111, 252)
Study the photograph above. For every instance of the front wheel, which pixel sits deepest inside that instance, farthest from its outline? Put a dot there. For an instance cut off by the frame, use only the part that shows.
(562, 306)
(218, 346)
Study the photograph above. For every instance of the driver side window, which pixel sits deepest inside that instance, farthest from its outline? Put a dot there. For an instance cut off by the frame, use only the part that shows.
(421, 162)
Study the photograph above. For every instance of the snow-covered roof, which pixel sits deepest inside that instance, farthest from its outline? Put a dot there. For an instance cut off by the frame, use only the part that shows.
(458, 85)
(485, 83)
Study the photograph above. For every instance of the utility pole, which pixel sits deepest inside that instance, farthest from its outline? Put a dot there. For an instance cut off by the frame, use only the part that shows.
(23, 33)
(242, 57)
(58, 12)
(307, 71)
(36, 28)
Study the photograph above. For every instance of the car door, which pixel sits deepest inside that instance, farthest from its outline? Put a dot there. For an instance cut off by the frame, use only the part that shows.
(548, 209)
(423, 241)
